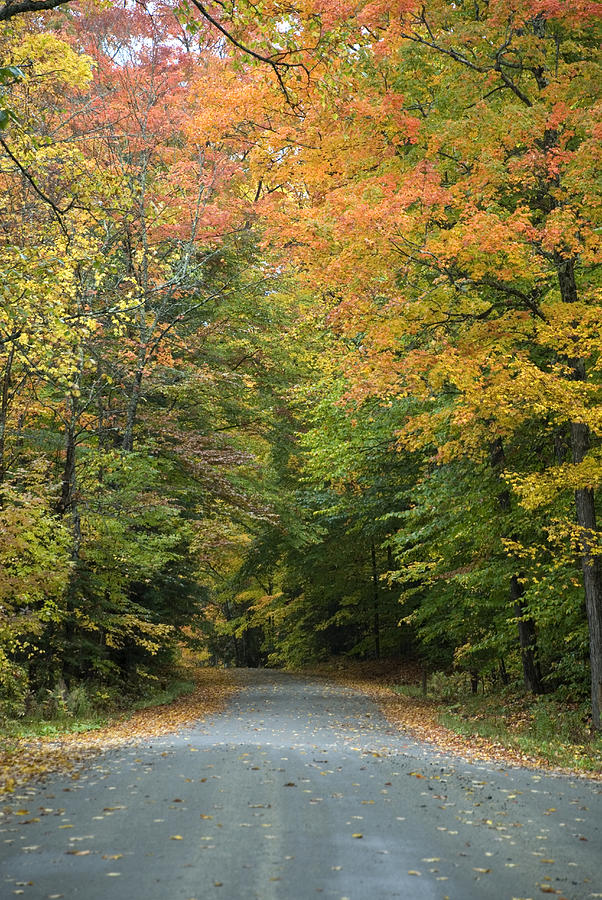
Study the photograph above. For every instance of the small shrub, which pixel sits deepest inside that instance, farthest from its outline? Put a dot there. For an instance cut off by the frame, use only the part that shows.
(55, 703)
(14, 689)
(78, 702)
(448, 687)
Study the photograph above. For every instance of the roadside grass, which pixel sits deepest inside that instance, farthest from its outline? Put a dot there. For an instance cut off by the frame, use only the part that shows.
(87, 709)
(552, 730)
(63, 739)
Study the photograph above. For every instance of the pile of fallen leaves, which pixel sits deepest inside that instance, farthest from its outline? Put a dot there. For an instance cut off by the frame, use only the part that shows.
(25, 759)
(420, 715)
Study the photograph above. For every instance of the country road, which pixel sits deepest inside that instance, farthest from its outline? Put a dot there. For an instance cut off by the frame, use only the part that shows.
(300, 790)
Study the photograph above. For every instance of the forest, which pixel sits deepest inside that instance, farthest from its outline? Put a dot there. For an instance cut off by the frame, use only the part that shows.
(300, 340)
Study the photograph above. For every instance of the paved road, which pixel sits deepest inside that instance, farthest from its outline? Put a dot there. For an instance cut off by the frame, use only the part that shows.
(301, 790)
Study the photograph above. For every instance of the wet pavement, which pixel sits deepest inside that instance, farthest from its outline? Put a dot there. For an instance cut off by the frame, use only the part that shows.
(300, 789)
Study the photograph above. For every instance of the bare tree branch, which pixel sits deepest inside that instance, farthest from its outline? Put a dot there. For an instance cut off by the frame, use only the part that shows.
(18, 7)
(59, 213)
(277, 61)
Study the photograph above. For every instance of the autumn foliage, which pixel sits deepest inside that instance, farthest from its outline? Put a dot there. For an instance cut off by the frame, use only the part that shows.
(358, 249)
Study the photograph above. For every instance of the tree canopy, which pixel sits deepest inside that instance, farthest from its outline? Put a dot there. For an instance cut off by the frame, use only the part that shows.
(300, 337)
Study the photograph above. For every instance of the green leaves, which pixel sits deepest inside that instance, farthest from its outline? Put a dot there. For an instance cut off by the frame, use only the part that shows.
(11, 74)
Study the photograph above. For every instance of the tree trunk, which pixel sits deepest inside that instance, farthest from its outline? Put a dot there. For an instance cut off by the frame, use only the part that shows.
(132, 408)
(504, 672)
(592, 574)
(527, 639)
(4, 411)
(474, 681)
(585, 510)
(65, 502)
(376, 605)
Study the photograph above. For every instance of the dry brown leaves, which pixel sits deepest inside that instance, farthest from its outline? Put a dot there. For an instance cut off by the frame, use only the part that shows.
(29, 759)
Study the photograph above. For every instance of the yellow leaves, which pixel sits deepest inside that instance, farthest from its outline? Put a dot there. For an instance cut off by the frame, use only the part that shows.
(542, 488)
(55, 61)
(573, 330)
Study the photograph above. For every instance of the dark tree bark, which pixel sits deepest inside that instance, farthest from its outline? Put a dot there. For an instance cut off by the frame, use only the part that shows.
(18, 7)
(527, 638)
(527, 635)
(585, 514)
(504, 672)
(585, 508)
(4, 411)
(68, 478)
(376, 604)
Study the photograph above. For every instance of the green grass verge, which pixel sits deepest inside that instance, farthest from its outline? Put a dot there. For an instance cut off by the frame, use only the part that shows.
(553, 730)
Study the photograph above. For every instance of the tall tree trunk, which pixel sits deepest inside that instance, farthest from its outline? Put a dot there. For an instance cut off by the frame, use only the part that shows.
(65, 502)
(67, 505)
(4, 411)
(585, 514)
(527, 636)
(592, 571)
(375, 604)
(133, 403)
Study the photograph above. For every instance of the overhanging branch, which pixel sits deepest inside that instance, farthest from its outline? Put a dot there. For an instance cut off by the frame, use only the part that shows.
(17, 7)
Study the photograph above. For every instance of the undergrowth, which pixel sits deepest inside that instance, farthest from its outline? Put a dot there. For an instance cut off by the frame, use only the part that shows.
(551, 728)
(86, 707)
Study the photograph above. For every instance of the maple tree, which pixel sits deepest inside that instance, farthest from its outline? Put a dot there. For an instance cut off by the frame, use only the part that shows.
(435, 184)
(130, 359)
(309, 328)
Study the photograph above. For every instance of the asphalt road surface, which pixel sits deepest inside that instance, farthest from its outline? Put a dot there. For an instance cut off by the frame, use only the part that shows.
(300, 790)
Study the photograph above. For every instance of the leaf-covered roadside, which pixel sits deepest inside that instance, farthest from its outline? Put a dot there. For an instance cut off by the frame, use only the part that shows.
(424, 718)
(23, 760)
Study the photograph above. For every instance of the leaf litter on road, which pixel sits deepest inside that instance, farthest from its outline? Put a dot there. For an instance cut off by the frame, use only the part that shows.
(26, 760)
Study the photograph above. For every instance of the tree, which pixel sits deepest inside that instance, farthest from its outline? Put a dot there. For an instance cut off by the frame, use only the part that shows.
(440, 196)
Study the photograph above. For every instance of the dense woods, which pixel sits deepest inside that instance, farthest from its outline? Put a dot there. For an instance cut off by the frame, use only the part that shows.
(300, 339)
